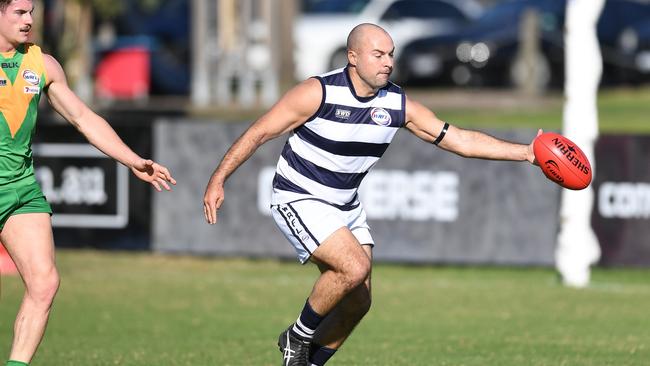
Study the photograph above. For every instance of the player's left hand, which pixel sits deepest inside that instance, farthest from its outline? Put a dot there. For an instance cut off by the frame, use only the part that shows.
(530, 154)
(154, 173)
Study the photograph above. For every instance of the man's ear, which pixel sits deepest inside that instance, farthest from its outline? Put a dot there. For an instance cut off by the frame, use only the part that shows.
(352, 58)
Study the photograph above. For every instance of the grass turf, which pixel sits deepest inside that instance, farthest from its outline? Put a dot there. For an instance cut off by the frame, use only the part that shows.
(140, 309)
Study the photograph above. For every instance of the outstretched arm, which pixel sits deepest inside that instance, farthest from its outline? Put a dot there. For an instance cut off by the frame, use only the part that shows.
(292, 110)
(97, 131)
(467, 143)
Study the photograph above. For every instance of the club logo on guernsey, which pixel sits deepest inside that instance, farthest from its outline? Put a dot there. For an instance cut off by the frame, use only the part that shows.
(31, 77)
(380, 116)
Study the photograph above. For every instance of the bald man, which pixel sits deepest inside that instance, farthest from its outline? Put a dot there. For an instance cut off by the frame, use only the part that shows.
(340, 123)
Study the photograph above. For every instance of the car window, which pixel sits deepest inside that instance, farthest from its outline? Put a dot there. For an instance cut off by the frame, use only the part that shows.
(333, 6)
(422, 10)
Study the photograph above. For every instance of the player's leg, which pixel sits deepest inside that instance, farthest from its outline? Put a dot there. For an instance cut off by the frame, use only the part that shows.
(28, 239)
(341, 321)
(348, 267)
(319, 232)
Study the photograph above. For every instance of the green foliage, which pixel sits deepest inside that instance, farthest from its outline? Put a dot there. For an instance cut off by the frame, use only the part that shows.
(142, 310)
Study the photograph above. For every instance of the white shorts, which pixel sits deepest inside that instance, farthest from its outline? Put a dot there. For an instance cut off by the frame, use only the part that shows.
(307, 223)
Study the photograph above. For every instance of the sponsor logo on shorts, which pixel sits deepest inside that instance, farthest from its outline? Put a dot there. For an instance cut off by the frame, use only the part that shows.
(380, 116)
(296, 227)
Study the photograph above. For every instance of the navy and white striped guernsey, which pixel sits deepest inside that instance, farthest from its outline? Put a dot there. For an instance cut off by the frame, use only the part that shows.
(327, 157)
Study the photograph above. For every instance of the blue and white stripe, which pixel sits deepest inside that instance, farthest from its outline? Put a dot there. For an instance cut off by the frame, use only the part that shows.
(330, 154)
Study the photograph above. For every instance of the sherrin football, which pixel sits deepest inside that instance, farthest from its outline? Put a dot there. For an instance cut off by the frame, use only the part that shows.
(562, 161)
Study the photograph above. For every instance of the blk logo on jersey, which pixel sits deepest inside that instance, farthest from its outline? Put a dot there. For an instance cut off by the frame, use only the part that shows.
(380, 116)
(3, 82)
(31, 77)
(10, 65)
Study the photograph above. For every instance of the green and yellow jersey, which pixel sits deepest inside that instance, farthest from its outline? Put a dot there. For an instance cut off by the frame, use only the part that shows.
(22, 79)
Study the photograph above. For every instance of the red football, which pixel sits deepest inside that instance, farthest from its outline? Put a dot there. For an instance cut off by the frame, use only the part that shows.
(562, 161)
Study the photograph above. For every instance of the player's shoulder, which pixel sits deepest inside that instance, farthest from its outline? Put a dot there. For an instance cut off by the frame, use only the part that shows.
(311, 87)
(53, 68)
(50, 61)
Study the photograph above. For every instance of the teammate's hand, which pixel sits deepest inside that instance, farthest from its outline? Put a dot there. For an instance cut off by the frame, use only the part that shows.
(154, 173)
(212, 200)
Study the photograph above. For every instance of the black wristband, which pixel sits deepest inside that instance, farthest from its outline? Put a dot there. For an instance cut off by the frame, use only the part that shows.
(442, 134)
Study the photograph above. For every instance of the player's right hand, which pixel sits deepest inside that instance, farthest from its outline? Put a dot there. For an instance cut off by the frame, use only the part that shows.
(154, 173)
(212, 200)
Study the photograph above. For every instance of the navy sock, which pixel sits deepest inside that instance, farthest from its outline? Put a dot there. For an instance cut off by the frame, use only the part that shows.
(319, 355)
(307, 322)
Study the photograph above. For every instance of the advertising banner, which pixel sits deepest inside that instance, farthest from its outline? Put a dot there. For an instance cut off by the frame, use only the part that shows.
(96, 201)
(621, 216)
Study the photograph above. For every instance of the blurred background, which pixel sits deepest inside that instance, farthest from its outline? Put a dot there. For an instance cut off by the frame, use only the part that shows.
(438, 42)
(181, 79)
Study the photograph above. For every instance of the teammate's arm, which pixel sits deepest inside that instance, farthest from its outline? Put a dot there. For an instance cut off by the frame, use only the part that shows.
(96, 130)
(292, 110)
(467, 143)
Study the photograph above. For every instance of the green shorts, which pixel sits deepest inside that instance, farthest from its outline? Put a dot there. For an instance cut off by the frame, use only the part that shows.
(19, 200)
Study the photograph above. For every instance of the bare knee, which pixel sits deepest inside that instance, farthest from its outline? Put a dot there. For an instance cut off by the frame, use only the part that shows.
(357, 273)
(41, 287)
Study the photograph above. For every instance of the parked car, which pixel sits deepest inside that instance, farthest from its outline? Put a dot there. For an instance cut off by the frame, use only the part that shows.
(320, 33)
(485, 51)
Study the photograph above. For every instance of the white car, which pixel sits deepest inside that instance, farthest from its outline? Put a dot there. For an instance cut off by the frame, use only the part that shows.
(320, 33)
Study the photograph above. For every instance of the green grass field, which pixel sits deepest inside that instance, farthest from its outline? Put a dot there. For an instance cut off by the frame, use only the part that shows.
(141, 309)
